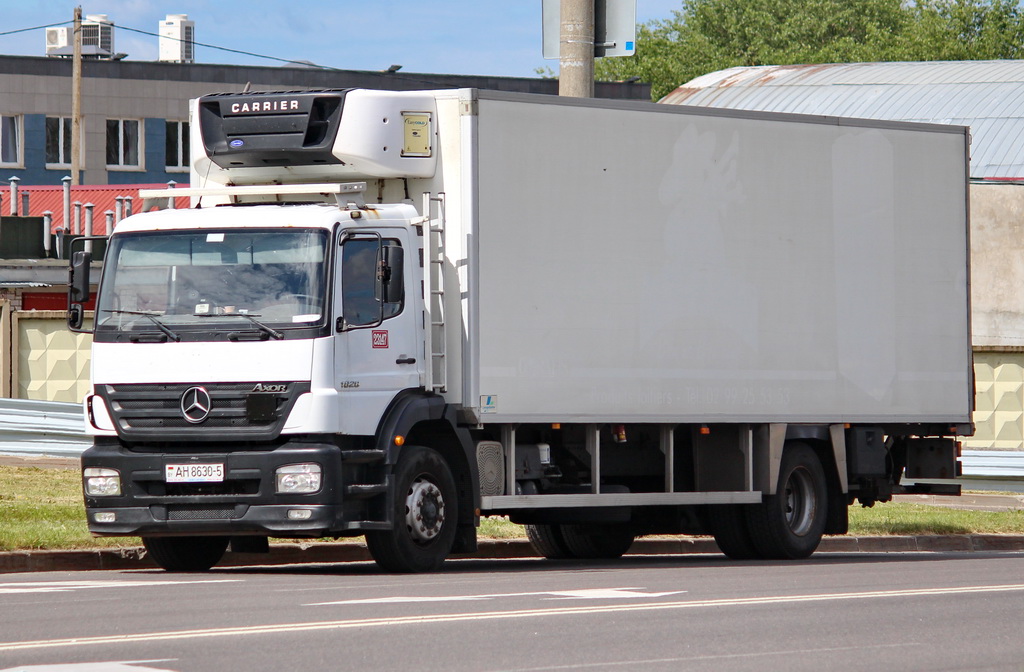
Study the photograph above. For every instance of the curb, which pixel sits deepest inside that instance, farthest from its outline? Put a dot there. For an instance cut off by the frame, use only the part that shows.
(489, 549)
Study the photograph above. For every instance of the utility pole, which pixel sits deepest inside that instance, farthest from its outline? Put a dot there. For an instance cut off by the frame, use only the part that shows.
(76, 99)
(576, 49)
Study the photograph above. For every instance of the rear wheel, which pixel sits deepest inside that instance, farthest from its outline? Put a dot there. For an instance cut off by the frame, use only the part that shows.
(789, 524)
(186, 554)
(729, 526)
(425, 515)
(548, 541)
(598, 540)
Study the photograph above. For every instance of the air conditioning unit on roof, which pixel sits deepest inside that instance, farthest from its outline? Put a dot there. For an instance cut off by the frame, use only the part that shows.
(57, 38)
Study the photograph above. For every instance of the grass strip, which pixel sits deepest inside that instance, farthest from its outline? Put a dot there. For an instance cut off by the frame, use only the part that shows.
(43, 509)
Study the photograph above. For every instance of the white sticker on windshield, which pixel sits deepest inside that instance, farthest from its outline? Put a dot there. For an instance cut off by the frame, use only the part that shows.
(215, 237)
(312, 317)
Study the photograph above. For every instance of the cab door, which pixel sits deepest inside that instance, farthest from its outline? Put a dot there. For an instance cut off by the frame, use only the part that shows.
(378, 344)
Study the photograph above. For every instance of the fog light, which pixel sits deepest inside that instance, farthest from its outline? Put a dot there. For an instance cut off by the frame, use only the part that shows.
(104, 517)
(298, 478)
(101, 482)
(299, 514)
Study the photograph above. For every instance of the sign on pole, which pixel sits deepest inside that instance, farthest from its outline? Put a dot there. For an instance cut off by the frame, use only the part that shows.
(614, 27)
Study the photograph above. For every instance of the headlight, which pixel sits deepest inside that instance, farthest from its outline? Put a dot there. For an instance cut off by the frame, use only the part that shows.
(101, 482)
(299, 478)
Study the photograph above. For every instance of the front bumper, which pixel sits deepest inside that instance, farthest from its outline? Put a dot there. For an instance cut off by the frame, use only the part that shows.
(245, 503)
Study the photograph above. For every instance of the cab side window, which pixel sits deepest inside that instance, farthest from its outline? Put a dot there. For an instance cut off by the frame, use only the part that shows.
(361, 284)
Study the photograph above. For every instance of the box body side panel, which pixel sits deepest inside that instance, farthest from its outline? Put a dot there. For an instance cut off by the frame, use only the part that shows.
(645, 266)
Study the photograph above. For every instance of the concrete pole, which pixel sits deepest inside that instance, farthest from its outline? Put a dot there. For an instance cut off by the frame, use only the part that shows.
(76, 100)
(576, 49)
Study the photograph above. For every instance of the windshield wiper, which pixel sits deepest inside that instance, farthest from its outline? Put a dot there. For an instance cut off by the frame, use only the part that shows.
(274, 333)
(155, 317)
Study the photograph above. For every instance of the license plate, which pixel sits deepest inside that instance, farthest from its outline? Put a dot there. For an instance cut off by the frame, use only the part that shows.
(194, 473)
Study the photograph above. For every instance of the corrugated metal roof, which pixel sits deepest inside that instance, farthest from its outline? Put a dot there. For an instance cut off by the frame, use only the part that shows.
(988, 96)
(103, 196)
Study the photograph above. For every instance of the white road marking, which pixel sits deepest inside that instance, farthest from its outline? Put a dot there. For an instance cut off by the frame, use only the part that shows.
(68, 586)
(102, 666)
(434, 619)
(588, 594)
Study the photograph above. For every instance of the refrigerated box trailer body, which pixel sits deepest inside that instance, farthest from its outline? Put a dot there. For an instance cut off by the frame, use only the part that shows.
(601, 319)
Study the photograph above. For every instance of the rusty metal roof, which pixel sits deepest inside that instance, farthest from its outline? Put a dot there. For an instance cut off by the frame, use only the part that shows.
(988, 96)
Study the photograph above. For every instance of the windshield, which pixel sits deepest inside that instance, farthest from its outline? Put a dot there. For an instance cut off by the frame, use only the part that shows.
(250, 279)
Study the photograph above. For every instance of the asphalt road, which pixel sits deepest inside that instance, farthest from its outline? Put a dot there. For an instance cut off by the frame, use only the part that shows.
(897, 611)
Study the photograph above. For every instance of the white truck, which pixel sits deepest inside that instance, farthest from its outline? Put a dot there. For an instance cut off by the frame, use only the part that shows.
(391, 313)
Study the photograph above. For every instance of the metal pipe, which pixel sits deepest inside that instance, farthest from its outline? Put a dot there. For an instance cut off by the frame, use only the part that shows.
(118, 208)
(127, 206)
(24, 203)
(76, 224)
(47, 227)
(66, 224)
(14, 195)
(88, 226)
(110, 222)
(170, 200)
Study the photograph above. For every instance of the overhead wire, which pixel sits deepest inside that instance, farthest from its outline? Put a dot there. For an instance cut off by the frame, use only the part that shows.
(403, 77)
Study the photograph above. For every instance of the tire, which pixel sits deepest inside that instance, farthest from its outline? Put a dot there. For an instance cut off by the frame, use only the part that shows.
(789, 524)
(598, 541)
(729, 526)
(425, 515)
(186, 554)
(548, 541)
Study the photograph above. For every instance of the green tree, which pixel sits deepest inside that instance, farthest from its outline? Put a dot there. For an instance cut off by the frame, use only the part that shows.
(708, 35)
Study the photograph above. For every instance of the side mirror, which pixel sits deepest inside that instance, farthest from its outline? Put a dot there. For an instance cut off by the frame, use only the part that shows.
(78, 289)
(78, 280)
(393, 264)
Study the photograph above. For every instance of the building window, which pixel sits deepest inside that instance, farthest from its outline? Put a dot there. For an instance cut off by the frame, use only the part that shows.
(58, 140)
(123, 143)
(177, 145)
(10, 140)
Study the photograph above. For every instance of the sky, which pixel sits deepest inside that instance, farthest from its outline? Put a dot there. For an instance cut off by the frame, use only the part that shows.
(470, 37)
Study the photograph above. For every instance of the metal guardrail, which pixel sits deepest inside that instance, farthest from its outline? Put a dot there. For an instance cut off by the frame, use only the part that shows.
(50, 428)
(993, 464)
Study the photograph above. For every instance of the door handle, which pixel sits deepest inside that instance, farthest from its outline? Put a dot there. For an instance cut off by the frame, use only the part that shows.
(405, 360)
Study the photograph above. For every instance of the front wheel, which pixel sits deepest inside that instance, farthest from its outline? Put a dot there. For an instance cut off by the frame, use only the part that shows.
(186, 554)
(425, 515)
(789, 524)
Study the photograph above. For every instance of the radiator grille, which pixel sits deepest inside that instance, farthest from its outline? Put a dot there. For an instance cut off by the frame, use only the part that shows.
(236, 410)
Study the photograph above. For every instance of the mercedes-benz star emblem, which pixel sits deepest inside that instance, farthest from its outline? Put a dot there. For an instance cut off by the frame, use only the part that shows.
(195, 405)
